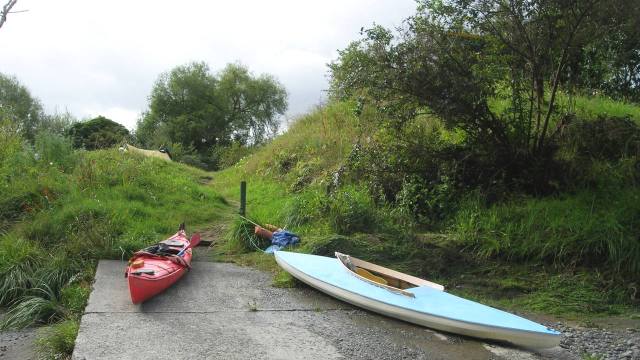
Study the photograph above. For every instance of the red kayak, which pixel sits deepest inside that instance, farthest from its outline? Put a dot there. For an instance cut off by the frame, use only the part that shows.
(155, 268)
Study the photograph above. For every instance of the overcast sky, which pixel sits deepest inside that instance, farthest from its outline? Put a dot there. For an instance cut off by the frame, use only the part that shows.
(101, 57)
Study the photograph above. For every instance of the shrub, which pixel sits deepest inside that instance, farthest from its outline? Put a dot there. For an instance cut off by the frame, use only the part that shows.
(54, 150)
(230, 155)
(351, 209)
(97, 133)
(194, 160)
(604, 138)
(420, 168)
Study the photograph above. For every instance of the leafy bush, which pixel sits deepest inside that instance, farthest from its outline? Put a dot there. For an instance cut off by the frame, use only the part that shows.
(284, 161)
(421, 169)
(97, 133)
(351, 210)
(54, 150)
(194, 160)
(230, 155)
(18, 107)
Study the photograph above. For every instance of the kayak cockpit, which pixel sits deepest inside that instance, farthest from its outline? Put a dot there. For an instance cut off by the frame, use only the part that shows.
(391, 280)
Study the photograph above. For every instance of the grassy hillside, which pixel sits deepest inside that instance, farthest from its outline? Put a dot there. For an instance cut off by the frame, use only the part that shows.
(570, 254)
(61, 210)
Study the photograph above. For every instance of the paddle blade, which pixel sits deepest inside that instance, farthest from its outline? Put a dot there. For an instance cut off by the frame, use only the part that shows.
(195, 240)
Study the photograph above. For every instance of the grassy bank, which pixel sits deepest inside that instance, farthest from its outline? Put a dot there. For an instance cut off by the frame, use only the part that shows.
(570, 254)
(62, 210)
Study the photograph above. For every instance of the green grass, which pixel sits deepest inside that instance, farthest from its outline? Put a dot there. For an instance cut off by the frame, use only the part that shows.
(65, 209)
(586, 107)
(581, 294)
(591, 107)
(586, 228)
(560, 255)
(57, 341)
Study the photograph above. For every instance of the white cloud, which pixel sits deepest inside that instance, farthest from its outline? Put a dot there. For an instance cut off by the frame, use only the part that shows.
(102, 57)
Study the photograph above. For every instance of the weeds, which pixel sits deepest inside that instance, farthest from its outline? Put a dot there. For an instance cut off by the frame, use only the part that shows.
(283, 279)
(588, 228)
(43, 305)
(240, 238)
(58, 340)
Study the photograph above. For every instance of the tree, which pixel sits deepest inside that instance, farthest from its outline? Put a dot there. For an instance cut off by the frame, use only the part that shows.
(20, 107)
(454, 57)
(6, 9)
(532, 44)
(252, 105)
(610, 62)
(184, 108)
(97, 133)
(195, 108)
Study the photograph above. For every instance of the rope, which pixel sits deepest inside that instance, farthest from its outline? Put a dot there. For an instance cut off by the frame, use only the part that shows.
(249, 220)
(250, 236)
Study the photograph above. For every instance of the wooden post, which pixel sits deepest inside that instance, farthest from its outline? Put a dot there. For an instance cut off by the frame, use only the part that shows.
(243, 197)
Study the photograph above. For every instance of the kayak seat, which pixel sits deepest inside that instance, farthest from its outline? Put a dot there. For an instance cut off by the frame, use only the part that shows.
(368, 275)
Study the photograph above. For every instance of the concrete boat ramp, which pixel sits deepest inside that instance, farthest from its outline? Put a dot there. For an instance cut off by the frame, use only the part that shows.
(223, 311)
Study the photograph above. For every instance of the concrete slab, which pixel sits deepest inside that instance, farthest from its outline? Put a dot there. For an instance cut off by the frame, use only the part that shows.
(223, 311)
(234, 335)
(208, 287)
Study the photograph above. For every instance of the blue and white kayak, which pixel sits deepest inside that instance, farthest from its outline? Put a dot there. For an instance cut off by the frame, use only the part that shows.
(412, 299)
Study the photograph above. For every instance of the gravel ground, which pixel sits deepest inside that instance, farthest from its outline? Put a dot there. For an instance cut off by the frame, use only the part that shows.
(600, 343)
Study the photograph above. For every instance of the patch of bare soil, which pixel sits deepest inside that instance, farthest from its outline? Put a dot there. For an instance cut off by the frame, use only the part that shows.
(210, 236)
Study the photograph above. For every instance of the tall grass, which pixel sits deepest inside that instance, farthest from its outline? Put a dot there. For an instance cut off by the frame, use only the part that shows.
(58, 340)
(65, 209)
(586, 107)
(19, 259)
(42, 305)
(586, 228)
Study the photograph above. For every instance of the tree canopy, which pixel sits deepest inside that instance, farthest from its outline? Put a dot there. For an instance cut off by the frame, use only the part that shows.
(192, 106)
(21, 109)
(457, 58)
(97, 133)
